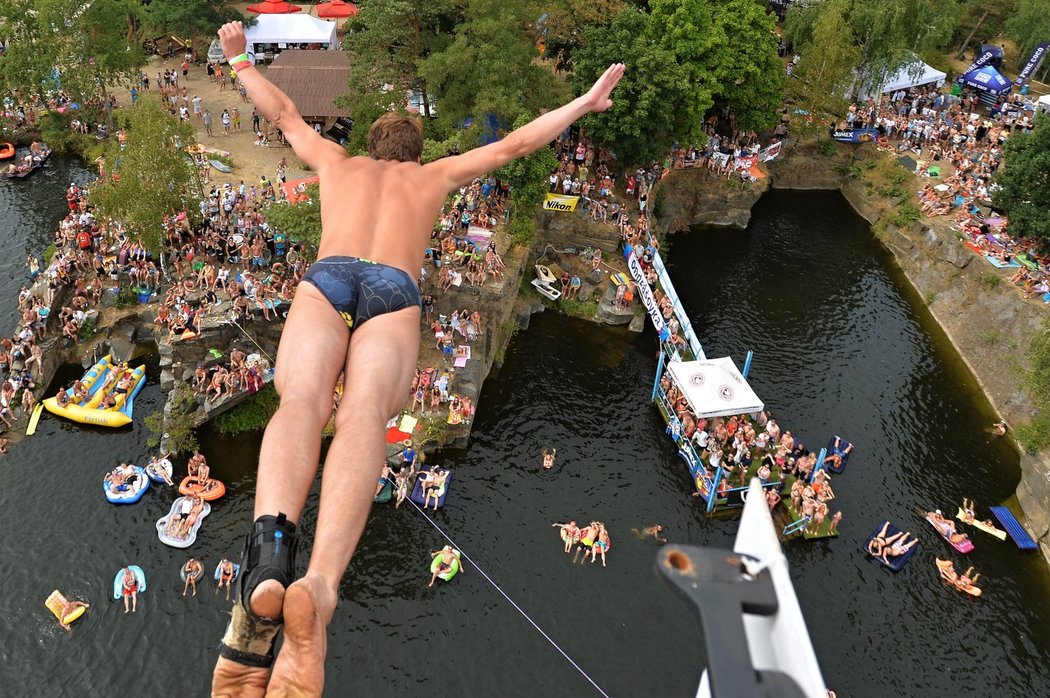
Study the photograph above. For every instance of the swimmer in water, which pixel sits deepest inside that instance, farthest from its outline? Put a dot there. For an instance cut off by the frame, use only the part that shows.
(1000, 428)
(548, 458)
(570, 533)
(653, 531)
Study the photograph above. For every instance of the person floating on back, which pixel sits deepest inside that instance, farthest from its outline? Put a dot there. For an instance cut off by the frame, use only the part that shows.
(358, 311)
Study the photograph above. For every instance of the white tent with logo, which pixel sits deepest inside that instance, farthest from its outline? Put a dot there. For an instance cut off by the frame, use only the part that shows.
(291, 29)
(714, 387)
(910, 75)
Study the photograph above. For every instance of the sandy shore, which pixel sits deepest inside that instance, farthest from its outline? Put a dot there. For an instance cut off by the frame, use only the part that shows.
(250, 161)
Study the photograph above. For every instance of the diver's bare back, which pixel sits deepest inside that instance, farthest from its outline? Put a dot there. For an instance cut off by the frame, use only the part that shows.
(381, 210)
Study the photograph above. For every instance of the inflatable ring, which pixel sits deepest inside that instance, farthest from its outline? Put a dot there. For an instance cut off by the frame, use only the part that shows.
(446, 576)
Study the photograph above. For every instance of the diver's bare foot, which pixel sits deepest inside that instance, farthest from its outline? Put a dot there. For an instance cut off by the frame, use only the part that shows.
(233, 680)
(299, 671)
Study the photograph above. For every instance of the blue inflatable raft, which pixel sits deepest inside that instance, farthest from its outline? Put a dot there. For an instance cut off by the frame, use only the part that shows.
(894, 563)
(840, 451)
(417, 490)
(128, 493)
(118, 581)
(218, 571)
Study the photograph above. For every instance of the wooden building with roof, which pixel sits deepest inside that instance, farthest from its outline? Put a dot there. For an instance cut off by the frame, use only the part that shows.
(313, 79)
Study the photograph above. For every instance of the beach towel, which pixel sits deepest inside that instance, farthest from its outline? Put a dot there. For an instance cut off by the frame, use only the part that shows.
(1023, 259)
(619, 278)
(395, 435)
(408, 424)
(974, 247)
(1000, 264)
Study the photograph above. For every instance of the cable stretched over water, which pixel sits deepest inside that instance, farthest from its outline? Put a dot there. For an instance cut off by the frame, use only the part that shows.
(512, 602)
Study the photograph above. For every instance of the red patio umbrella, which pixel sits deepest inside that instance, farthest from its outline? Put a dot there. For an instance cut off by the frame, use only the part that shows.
(274, 7)
(336, 9)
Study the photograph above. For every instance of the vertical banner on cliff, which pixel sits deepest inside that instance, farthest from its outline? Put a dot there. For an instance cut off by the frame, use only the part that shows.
(1033, 63)
(679, 310)
(646, 294)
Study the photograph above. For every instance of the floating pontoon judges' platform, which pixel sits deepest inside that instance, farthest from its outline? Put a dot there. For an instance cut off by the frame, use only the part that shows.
(756, 638)
(1014, 528)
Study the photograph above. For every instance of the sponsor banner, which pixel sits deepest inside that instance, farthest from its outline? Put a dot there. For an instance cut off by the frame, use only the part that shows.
(1033, 63)
(853, 135)
(679, 310)
(744, 163)
(977, 63)
(721, 159)
(646, 294)
(771, 151)
(560, 202)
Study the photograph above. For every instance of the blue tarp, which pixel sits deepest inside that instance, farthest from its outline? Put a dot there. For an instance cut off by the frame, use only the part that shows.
(986, 79)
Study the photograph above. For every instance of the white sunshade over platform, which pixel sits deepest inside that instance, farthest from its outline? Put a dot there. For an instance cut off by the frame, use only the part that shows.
(714, 387)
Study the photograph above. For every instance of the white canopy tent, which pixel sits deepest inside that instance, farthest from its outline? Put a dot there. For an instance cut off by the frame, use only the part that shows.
(291, 29)
(714, 387)
(910, 76)
(1043, 104)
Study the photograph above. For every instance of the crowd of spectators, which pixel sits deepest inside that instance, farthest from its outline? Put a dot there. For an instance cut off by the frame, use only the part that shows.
(956, 144)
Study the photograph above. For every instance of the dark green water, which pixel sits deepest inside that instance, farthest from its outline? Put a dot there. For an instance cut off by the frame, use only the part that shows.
(841, 345)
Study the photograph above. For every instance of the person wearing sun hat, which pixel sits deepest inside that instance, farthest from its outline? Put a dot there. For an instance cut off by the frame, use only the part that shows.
(408, 454)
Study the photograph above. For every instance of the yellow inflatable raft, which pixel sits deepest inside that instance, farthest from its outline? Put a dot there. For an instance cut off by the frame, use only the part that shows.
(56, 603)
(99, 382)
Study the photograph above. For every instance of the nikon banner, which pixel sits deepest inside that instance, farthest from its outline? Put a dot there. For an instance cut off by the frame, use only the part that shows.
(560, 202)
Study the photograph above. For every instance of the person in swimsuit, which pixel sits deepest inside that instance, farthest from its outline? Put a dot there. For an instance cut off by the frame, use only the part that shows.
(226, 572)
(69, 608)
(601, 544)
(356, 311)
(384, 477)
(653, 532)
(433, 487)
(946, 527)
(548, 459)
(129, 589)
(445, 564)
(570, 533)
(191, 570)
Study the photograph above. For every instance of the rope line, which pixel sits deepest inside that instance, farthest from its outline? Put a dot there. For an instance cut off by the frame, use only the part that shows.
(518, 608)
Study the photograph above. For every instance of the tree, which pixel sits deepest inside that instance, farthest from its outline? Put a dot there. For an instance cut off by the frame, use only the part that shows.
(682, 59)
(1028, 27)
(194, 18)
(689, 31)
(528, 184)
(977, 14)
(84, 46)
(1023, 184)
(488, 68)
(561, 28)
(387, 41)
(824, 74)
(153, 173)
(644, 118)
(749, 72)
(889, 34)
(301, 221)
